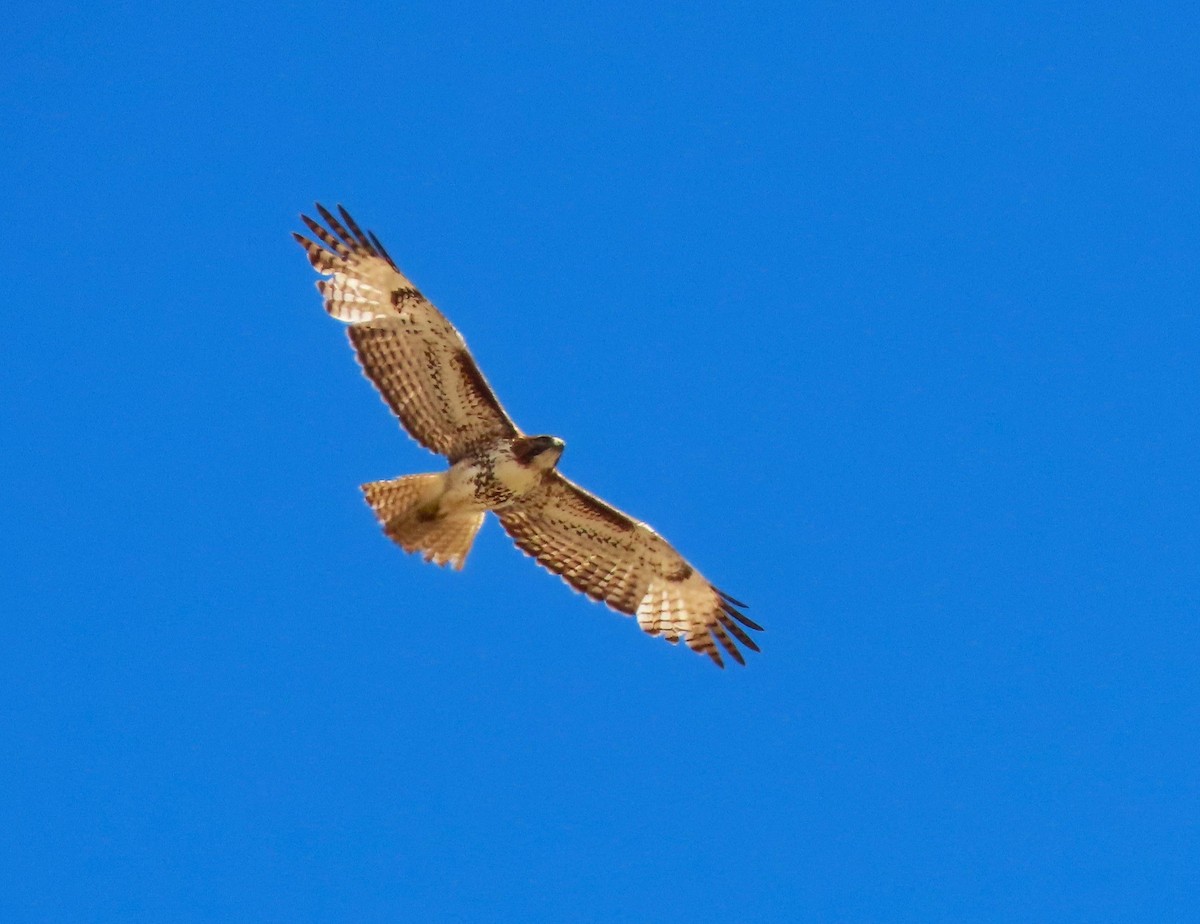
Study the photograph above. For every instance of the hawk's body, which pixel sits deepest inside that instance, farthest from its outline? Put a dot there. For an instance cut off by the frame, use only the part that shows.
(423, 370)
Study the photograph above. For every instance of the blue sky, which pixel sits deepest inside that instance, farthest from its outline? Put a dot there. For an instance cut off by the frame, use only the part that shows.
(885, 315)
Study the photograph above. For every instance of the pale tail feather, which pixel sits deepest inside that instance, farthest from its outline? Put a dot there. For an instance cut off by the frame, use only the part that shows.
(407, 509)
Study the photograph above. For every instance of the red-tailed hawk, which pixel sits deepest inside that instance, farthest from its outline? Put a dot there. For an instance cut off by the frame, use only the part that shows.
(423, 370)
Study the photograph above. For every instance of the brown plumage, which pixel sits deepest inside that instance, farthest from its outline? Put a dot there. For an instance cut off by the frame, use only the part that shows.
(422, 368)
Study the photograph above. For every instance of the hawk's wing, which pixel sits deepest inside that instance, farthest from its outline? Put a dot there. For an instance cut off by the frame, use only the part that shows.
(611, 557)
(415, 357)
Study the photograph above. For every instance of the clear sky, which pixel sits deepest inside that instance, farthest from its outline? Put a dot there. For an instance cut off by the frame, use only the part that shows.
(885, 314)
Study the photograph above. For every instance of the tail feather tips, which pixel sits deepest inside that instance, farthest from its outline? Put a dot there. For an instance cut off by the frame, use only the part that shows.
(407, 509)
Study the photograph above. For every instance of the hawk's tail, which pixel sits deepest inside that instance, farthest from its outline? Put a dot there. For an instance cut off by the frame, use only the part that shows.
(407, 508)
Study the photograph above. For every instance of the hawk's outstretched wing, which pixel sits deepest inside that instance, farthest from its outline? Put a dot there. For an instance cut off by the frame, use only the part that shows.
(609, 556)
(415, 357)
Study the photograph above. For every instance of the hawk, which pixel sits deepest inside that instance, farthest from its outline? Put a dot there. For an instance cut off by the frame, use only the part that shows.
(423, 370)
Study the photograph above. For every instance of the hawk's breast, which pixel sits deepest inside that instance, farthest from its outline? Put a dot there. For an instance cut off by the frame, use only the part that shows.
(515, 477)
(490, 478)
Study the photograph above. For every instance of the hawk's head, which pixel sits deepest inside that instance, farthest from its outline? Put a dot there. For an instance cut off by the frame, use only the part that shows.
(541, 452)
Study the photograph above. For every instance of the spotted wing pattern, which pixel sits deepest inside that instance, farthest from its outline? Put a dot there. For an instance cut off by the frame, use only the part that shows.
(406, 347)
(609, 556)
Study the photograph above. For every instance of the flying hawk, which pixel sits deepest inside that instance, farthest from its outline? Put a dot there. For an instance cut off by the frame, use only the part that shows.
(422, 368)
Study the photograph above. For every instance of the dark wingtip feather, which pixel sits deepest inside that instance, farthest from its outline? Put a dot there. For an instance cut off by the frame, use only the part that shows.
(738, 632)
(704, 643)
(328, 241)
(382, 250)
(354, 228)
(729, 599)
(335, 225)
(719, 634)
(741, 617)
